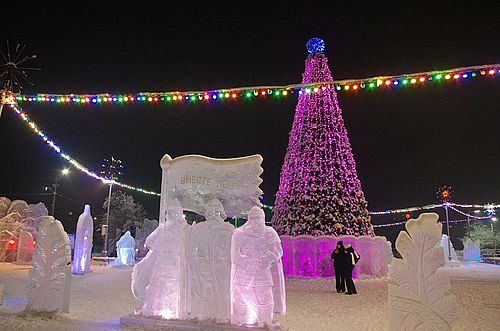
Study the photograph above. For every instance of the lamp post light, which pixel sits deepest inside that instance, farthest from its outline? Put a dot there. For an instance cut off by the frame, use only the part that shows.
(494, 219)
(112, 169)
(64, 172)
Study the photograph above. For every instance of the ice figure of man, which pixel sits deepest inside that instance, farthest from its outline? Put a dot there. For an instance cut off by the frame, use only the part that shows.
(125, 250)
(257, 280)
(164, 291)
(83, 242)
(208, 253)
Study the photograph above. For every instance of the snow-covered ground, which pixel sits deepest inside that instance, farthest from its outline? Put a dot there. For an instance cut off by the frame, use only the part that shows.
(99, 299)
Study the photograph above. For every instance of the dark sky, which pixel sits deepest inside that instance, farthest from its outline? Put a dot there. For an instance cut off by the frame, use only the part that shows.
(406, 143)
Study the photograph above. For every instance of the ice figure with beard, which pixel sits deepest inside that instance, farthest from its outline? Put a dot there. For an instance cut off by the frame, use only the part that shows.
(208, 254)
(158, 280)
(257, 280)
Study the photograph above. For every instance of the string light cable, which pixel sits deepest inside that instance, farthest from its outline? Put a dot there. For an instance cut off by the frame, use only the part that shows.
(35, 129)
(245, 93)
(440, 221)
(488, 208)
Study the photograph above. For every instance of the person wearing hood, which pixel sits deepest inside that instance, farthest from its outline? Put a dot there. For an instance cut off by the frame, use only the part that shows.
(339, 257)
(352, 258)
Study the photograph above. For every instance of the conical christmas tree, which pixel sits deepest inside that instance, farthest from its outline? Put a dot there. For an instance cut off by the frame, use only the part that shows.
(319, 192)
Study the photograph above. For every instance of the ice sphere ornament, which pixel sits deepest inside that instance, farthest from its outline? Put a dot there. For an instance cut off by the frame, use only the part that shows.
(208, 256)
(418, 298)
(125, 250)
(257, 280)
(49, 281)
(158, 280)
(83, 242)
(315, 45)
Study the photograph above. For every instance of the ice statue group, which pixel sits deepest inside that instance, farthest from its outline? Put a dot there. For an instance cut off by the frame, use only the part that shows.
(211, 271)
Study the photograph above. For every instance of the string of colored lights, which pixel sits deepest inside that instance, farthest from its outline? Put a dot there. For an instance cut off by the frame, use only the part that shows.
(406, 210)
(489, 208)
(245, 93)
(441, 221)
(39, 133)
(471, 216)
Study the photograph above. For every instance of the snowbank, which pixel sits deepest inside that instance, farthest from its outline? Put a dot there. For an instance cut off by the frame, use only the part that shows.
(100, 298)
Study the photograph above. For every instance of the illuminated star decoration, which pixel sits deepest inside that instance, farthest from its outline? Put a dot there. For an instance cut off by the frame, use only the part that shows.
(444, 193)
(490, 209)
(11, 71)
(112, 169)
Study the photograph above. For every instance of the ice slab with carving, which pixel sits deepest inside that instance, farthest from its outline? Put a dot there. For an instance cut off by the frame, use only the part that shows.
(446, 249)
(472, 250)
(49, 281)
(26, 247)
(418, 290)
(257, 279)
(125, 250)
(194, 180)
(83, 242)
(310, 256)
(158, 280)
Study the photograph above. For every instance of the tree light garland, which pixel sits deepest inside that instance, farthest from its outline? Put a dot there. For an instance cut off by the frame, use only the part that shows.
(279, 91)
(39, 133)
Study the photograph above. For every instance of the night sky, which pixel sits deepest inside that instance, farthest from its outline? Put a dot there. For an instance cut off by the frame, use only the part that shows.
(406, 142)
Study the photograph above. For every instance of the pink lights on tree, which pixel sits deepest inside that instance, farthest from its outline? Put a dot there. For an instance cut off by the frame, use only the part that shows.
(319, 191)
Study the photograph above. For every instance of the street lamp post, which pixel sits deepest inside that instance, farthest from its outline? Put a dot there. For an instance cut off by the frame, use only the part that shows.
(111, 170)
(105, 251)
(448, 231)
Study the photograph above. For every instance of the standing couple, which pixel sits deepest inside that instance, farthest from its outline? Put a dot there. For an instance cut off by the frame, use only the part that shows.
(344, 260)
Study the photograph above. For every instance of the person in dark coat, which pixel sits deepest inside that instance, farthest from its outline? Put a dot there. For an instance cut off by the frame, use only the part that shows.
(350, 261)
(339, 256)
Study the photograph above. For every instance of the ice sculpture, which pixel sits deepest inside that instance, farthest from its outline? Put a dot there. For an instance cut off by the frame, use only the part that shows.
(17, 217)
(208, 256)
(26, 247)
(444, 244)
(49, 281)
(141, 233)
(125, 250)
(417, 289)
(83, 242)
(4, 206)
(390, 255)
(162, 288)
(17, 206)
(309, 256)
(194, 180)
(257, 280)
(472, 250)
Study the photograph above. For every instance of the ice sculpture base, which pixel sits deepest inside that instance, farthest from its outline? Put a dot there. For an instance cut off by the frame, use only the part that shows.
(310, 257)
(452, 264)
(152, 322)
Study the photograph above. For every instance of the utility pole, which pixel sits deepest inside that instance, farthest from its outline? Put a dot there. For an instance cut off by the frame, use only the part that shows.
(54, 193)
(64, 172)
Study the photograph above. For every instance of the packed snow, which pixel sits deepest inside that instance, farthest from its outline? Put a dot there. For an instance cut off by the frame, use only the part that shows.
(100, 298)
